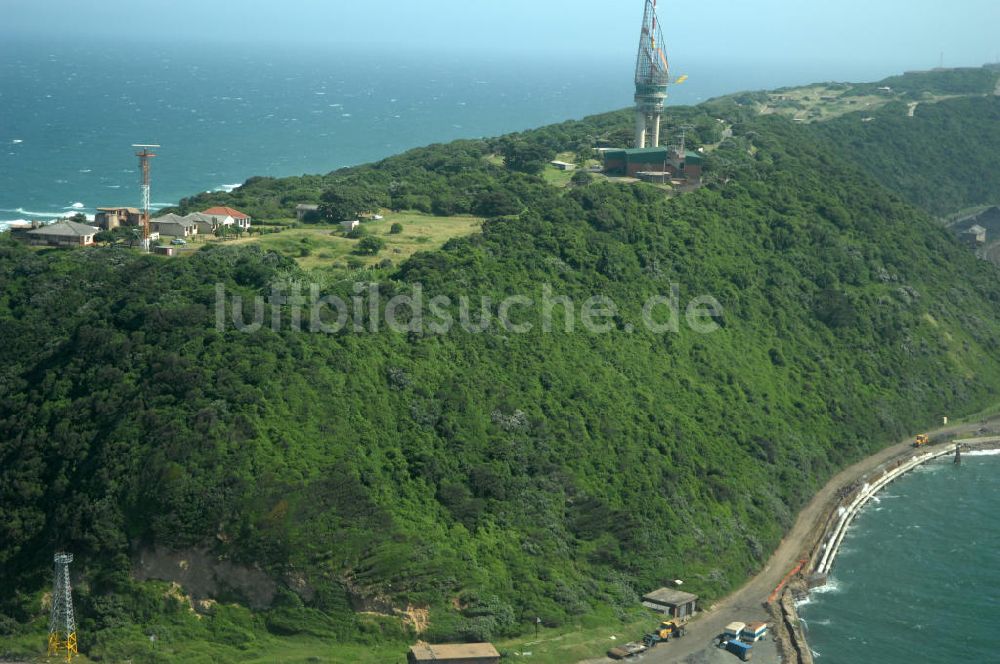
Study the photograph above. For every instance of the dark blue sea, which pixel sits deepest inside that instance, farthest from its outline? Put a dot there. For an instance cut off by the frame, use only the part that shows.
(918, 579)
(71, 109)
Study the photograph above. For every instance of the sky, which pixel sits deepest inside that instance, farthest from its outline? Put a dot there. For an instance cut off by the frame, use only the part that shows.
(855, 35)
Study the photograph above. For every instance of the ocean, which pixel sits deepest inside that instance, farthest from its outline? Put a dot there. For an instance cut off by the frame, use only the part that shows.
(71, 109)
(918, 579)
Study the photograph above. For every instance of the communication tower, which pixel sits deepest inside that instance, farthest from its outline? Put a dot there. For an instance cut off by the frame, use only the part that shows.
(652, 76)
(144, 156)
(62, 624)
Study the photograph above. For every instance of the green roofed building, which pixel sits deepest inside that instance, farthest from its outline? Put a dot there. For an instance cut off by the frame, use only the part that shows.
(629, 163)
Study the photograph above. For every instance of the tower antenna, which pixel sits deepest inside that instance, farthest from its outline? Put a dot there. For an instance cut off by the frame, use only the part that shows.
(62, 624)
(652, 76)
(144, 156)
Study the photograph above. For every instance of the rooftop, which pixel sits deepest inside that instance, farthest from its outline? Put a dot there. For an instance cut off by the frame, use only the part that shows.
(173, 219)
(65, 228)
(226, 211)
(443, 653)
(670, 596)
(130, 210)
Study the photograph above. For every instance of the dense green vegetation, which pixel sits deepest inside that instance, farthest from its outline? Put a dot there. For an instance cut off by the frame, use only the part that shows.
(491, 477)
(942, 159)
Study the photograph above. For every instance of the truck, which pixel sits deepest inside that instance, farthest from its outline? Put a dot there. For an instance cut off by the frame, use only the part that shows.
(668, 629)
(921, 440)
(742, 650)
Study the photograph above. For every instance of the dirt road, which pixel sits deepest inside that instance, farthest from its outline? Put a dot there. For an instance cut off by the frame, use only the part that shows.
(747, 603)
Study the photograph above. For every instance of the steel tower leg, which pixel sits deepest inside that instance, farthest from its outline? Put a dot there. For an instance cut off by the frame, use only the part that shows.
(656, 130)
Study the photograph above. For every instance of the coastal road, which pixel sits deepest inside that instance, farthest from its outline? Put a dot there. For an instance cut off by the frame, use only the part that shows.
(747, 603)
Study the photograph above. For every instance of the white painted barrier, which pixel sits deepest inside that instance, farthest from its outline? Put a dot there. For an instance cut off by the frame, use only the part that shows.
(832, 545)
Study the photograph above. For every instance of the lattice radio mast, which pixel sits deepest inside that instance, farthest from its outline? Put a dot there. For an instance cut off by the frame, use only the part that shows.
(144, 156)
(62, 623)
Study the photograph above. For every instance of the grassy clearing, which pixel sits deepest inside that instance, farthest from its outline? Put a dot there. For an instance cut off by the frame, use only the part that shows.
(325, 245)
(589, 638)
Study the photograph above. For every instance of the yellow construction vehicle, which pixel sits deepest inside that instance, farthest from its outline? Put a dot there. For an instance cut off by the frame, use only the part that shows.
(922, 439)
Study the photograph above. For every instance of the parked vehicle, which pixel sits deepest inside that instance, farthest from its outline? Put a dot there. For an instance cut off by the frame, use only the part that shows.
(628, 650)
(178, 241)
(668, 629)
(733, 630)
(742, 650)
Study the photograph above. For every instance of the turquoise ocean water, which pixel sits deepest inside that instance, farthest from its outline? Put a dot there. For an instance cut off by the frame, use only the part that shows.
(918, 579)
(70, 110)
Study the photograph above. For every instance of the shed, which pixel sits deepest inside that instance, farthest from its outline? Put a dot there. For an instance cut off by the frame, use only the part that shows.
(675, 603)
(976, 234)
(302, 211)
(349, 226)
(563, 165)
(461, 653)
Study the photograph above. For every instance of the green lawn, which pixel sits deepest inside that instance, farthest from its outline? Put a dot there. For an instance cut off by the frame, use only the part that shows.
(315, 246)
(591, 638)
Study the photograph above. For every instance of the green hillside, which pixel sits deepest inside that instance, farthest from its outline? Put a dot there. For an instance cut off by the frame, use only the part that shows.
(487, 477)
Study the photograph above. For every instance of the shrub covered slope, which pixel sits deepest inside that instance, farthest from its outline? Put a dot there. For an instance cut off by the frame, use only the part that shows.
(491, 477)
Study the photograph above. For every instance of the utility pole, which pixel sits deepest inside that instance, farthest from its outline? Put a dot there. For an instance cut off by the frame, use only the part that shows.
(62, 623)
(652, 76)
(144, 156)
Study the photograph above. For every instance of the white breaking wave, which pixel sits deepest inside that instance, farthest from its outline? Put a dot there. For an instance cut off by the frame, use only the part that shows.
(41, 215)
(982, 453)
(832, 586)
(16, 141)
(228, 188)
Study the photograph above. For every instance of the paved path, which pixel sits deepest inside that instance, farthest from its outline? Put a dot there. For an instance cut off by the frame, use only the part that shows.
(746, 604)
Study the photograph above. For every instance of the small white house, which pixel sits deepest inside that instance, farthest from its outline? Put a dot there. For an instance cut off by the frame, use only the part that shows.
(349, 226)
(238, 218)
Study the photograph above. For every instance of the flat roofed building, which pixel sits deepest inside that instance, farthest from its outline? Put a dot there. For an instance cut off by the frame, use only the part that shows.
(459, 653)
(675, 603)
(629, 163)
(110, 218)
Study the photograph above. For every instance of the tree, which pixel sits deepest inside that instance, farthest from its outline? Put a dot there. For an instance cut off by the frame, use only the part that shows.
(496, 204)
(369, 246)
(581, 178)
(526, 157)
(349, 202)
(396, 229)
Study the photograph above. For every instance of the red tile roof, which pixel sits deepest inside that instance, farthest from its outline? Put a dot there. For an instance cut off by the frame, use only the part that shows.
(227, 211)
